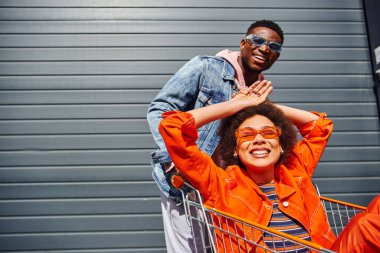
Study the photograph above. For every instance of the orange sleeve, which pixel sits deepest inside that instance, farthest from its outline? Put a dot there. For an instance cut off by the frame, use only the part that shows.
(309, 150)
(180, 134)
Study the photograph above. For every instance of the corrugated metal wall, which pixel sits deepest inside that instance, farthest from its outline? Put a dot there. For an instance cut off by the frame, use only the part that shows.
(75, 81)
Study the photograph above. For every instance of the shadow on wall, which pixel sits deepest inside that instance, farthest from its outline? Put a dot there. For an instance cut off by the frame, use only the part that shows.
(371, 9)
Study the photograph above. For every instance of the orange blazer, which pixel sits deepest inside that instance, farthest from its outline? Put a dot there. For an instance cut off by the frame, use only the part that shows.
(233, 191)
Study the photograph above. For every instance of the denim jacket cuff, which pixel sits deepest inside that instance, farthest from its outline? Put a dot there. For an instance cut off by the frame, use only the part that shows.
(160, 156)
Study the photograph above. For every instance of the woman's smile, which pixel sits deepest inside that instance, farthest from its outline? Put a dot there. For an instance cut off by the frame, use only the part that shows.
(260, 152)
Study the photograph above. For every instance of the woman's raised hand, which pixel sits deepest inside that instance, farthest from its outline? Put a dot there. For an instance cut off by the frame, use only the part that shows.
(252, 96)
(255, 94)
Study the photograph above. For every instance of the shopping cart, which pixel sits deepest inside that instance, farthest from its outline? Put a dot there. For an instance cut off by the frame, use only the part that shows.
(339, 213)
(217, 231)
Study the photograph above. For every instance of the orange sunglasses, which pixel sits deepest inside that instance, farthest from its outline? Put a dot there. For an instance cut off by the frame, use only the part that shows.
(249, 134)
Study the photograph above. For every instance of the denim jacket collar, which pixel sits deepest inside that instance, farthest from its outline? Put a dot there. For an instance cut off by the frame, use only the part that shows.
(228, 72)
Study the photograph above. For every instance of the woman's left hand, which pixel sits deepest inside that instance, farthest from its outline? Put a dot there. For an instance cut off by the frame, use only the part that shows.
(255, 94)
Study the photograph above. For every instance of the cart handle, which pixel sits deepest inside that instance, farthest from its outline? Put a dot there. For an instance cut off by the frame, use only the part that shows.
(311, 245)
(343, 203)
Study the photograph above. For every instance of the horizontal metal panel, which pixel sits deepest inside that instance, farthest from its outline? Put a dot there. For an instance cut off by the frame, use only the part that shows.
(139, 111)
(170, 54)
(121, 126)
(92, 82)
(74, 112)
(178, 26)
(90, 126)
(78, 97)
(350, 4)
(90, 68)
(325, 54)
(169, 67)
(77, 142)
(354, 154)
(146, 96)
(139, 141)
(149, 189)
(306, 67)
(344, 169)
(173, 40)
(356, 124)
(80, 206)
(81, 223)
(143, 172)
(82, 240)
(142, 157)
(78, 190)
(352, 185)
(74, 157)
(93, 173)
(355, 139)
(110, 82)
(324, 95)
(340, 109)
(180, 14)
(118, 250)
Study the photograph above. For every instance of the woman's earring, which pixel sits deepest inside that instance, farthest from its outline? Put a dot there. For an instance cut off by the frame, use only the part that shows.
(235, 154)
(282, 151)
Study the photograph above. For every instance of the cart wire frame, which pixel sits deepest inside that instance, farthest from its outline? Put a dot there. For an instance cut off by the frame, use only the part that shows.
(212, 235)
(339, 213)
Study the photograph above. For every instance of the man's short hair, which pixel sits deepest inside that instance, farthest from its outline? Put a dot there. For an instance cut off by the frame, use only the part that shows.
(269, 24)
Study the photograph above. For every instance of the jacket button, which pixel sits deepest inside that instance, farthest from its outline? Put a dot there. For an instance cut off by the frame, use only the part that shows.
(285, 203)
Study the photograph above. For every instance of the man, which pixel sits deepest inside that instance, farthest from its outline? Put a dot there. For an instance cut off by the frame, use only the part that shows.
(202, 81)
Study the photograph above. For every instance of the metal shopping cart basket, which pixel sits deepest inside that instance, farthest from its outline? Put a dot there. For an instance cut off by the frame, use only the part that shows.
(215, 231)
(339, 213)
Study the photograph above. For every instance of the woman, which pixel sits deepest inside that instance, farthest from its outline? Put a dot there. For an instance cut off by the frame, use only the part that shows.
(268, 178)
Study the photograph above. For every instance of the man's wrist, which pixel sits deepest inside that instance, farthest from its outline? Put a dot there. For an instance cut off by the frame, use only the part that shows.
(169, 166)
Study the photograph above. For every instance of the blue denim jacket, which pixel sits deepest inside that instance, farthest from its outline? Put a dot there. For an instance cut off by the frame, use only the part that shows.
(202, 81)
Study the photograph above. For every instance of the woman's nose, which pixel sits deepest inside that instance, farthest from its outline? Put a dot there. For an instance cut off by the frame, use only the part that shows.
(259, 139)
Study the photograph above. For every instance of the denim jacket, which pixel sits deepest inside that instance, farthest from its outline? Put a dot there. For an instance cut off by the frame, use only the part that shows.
(202, 81)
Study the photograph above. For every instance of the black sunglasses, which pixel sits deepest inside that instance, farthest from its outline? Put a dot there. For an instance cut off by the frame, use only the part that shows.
(259, 41)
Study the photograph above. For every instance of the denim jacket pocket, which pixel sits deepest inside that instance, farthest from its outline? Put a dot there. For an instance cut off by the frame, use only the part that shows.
(204, 97)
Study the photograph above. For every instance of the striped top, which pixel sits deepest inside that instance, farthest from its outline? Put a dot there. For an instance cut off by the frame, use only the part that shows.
(284, 223)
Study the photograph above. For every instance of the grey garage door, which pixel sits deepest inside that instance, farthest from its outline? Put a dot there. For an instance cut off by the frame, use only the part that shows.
(76, 78)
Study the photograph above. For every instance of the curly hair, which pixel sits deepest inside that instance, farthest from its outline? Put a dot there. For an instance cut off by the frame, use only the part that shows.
(228, 126)
(268, 24)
